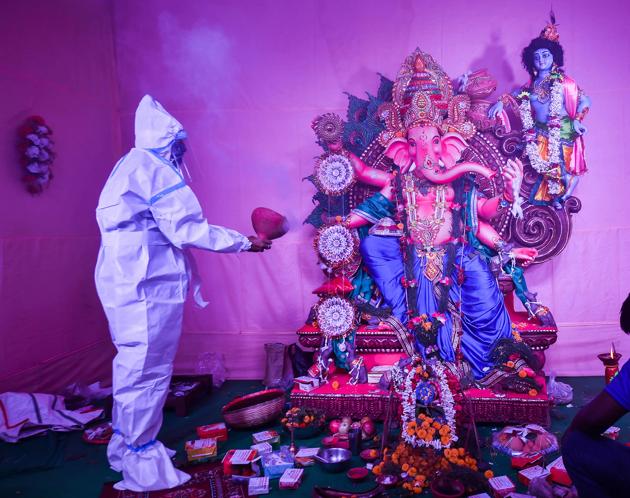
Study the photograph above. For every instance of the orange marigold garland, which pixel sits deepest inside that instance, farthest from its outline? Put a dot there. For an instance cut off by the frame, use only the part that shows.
(422, 430)
(417, 467)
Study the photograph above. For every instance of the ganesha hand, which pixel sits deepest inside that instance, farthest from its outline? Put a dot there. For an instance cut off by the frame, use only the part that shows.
(526, 255)
(495, 109)
(579, 128)
(335, 146)
(513, 177)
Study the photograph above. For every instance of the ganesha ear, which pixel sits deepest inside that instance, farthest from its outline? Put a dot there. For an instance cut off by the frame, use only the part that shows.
(396, 146)
(398, 151)
(453, 145)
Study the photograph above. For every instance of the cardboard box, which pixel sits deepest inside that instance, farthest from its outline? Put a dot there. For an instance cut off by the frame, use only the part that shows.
(239, 462)
(525, 476)
(258, 486)
(201, 449)
(522, 462)
(612, 432)
(306, 383)
(275, 463)
(270, 437)
(305, 457)
(291, 479)
(501, 486)
(262, 448)
(217, 431)
(558, 472)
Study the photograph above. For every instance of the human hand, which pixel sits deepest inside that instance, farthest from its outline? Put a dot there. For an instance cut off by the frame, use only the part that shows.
(258, 244)
(579, 128)
(526, 255)
(512, 177)
(495, 109)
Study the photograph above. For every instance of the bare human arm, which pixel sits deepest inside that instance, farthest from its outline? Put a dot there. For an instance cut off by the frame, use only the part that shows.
(598, 415)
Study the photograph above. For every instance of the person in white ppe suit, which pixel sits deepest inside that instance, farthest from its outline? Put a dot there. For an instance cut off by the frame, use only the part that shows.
(148, 216)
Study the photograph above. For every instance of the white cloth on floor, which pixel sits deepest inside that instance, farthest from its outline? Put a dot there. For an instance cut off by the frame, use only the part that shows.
(27, 414)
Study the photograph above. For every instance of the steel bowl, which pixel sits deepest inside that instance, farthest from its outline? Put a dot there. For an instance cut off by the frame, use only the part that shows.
(333, 459)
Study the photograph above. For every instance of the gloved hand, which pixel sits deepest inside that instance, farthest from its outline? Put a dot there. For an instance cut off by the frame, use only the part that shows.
(258, 244)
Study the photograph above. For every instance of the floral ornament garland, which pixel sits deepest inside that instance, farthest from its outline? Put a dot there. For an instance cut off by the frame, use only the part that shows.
(334, 174)
(37, 154)
(336, 245)
(328, 128)
(554, 124)
(425, 434)
(336, 316)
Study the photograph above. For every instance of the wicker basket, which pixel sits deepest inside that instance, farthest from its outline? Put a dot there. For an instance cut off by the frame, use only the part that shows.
(254, 409)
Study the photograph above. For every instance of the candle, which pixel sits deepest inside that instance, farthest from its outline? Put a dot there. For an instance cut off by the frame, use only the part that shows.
(611, 363)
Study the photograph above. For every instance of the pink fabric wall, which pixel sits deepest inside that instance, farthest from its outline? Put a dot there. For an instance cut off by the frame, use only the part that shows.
(246, 79)
(56, 61)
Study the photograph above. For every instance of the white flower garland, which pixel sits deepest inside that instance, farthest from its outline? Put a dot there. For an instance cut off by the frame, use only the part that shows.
(554, 145)
(409, 406)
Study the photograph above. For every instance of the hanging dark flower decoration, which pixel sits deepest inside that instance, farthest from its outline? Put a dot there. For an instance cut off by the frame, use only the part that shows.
(36, 153)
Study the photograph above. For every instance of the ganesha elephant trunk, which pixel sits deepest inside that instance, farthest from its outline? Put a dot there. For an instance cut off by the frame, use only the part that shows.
(451, 174)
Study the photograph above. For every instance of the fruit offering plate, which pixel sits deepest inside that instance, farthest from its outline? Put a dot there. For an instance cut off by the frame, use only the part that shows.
(530, 439)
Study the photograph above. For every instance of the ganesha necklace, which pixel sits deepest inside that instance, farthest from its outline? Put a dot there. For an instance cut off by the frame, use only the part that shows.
(425, 230)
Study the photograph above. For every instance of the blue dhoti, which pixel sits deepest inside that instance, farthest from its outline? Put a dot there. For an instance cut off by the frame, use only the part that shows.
(485, 319)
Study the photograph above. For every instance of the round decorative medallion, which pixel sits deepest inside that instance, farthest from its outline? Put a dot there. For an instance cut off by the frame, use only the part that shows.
(328, 127)
(334, 174)
(336, 316)
(336, 245)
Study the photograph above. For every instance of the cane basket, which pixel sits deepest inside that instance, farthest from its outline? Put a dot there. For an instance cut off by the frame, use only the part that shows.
(255, 409)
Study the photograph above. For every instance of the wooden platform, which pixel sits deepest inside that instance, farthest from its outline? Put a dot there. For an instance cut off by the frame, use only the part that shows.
(367, 399)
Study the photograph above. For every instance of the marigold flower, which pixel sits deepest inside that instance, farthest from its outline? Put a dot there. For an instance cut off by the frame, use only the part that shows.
(405, 467)
(533, 392)
(522, 374)
(488, 474)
